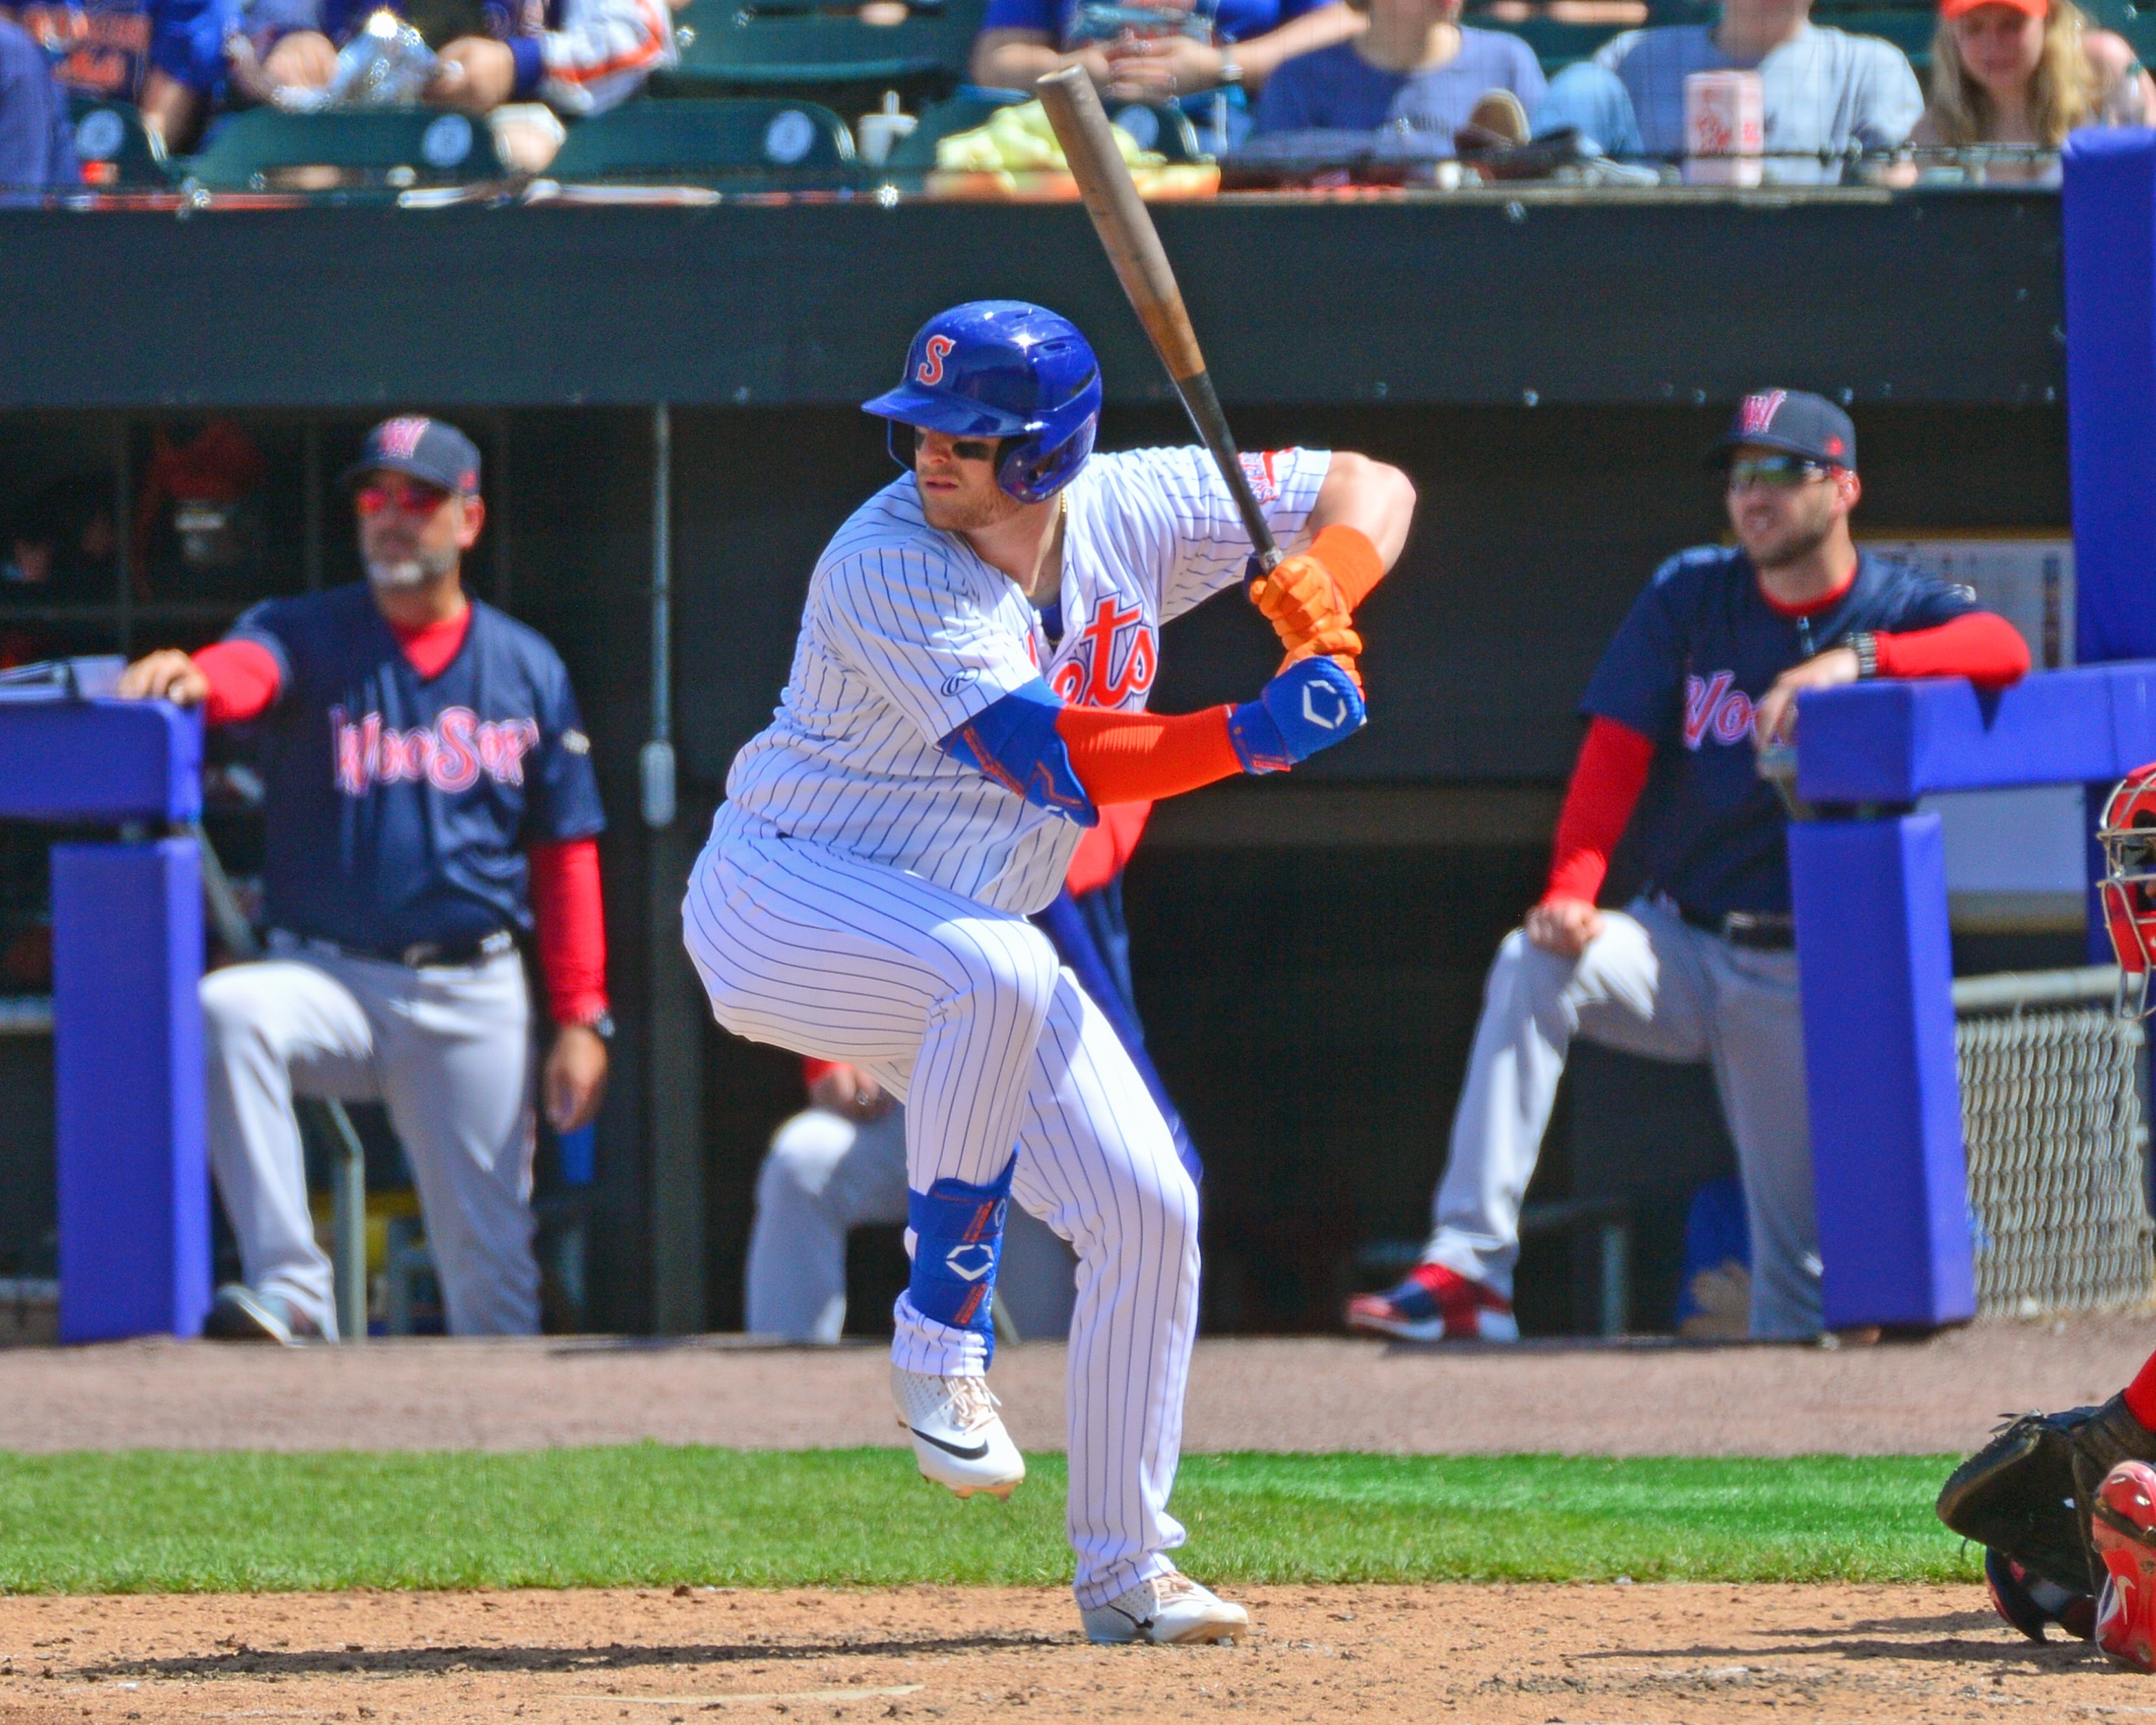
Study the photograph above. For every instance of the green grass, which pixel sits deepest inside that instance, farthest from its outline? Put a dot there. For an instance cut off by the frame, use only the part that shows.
(650, 1515)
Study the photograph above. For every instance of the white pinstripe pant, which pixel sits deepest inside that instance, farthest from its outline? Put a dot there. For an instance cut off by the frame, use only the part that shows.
(964, 1014)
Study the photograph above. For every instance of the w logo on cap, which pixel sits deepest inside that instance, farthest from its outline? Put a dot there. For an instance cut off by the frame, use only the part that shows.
(399, 438)
(1756, 415)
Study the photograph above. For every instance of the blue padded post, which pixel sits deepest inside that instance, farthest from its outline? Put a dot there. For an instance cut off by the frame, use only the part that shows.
(2108, 212)
(100, 760)
(134, 1170)
(1877, 973)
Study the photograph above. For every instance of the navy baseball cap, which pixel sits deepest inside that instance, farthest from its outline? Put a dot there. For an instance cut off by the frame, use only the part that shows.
(425, 449)
(1793, 421)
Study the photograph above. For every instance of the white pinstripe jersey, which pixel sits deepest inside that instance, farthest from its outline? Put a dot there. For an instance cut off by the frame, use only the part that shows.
(907, 634)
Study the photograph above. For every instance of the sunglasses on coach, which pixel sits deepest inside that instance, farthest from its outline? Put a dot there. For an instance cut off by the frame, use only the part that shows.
(408, 496)
(1781, 472)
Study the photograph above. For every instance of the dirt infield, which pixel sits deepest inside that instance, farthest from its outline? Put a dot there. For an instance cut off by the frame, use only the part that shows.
(1940, 1395)
(1492, 1655)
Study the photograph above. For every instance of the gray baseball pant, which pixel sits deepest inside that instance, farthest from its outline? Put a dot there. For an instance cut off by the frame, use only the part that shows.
(1650, 984)
(447, 1049)
(826, 1175)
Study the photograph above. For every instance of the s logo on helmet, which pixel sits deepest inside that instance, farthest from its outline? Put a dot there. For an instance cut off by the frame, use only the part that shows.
(938, 349)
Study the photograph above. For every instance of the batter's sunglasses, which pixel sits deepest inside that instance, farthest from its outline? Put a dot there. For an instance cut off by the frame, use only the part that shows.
(1781, 472)
(409, 496)
(964, 449)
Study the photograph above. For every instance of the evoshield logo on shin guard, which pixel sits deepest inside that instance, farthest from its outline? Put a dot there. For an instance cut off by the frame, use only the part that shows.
(973, 1261)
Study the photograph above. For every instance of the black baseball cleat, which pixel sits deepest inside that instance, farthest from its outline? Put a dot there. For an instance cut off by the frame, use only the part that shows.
(2016, 1496)
(2032, 1604)
(240, 1314)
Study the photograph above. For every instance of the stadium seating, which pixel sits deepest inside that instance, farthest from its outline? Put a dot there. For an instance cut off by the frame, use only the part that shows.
(115, 148)
(364, 152)
(1165, 130)
(793, 48)
(742, 143)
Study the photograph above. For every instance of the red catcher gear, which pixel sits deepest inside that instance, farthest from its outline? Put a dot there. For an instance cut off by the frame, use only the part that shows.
(2127, 834)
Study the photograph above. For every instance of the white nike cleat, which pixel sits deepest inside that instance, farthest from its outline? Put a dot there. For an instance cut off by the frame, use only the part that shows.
(1170, 1610)
(958, 1437)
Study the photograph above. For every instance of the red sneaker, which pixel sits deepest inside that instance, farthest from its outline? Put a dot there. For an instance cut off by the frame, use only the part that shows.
(1436, 1304)
(2123, 1528)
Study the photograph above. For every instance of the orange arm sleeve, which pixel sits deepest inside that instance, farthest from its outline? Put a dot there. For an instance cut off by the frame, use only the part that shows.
(1351, 558)
(1141, 757)
(1606, 783)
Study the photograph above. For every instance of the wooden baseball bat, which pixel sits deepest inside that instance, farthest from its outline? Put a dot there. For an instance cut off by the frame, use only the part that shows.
(1133, 246)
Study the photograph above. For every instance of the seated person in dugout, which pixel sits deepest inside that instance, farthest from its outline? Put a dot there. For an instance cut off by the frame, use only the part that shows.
(1417, 74)
(1700, 965)
(2027, 72)
(431, 805)
(1023, 40)
(1823, 89)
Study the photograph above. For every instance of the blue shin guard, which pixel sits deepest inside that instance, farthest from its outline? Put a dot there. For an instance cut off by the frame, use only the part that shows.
(958, 1239)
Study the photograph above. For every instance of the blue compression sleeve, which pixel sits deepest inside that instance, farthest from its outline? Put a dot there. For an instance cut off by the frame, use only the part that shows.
(1015, 742)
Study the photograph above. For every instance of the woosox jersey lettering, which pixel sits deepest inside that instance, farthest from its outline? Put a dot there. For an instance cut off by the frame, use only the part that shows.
(863, 899)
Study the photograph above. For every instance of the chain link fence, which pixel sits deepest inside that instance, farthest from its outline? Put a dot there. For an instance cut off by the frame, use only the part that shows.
(2051, 1113)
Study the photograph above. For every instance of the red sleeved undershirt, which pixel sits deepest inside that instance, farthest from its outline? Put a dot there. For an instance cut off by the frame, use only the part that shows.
(1606, 783)
(1105, 848)
(243, 680)
(242, 675)
(570, 924)
(1985, 648)
(1141, 757)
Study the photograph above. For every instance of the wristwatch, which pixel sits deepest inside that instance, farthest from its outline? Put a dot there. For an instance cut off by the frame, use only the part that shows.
(1865, 645)
(1230, 73)
(601, 1027)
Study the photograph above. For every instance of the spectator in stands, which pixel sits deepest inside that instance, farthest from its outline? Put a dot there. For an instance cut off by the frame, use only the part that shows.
(2027, 72)
(1824, 89)
(166, 57)
(1416, 69)
(36, 144)
(579, 57)
(1020, 40)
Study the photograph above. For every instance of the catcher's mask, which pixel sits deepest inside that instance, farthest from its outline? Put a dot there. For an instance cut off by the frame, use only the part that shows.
(2127, 834)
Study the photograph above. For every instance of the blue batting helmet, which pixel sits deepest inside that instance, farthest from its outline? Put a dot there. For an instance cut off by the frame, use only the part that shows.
(1004, 369)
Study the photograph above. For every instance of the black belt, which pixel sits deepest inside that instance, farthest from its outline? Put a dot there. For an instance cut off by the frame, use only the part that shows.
(1762, 931)
(420, 954)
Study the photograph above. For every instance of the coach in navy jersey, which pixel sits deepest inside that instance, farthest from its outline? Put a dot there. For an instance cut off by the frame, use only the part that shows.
(430, 803)
(1701, 965)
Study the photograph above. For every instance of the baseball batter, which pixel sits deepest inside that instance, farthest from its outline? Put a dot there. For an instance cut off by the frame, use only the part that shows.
(968, 690)
(429, 789)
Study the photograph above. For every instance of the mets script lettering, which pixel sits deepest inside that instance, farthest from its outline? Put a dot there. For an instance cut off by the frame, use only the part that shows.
(1117, 657)
(449, 754)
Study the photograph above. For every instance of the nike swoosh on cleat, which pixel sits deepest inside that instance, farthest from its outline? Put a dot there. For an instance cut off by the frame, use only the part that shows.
(979, 1452)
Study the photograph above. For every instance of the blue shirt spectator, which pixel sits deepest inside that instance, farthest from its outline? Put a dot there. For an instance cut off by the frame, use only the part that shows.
(580, 56)
(1823, 89)
(1338, 88)
(37, 148)
(165, 56)
(1237, 43)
